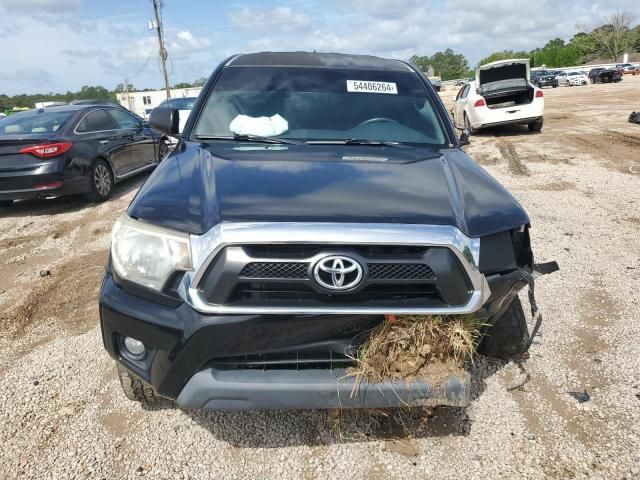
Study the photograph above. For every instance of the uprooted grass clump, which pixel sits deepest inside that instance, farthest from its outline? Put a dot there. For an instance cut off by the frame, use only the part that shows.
(409, 347)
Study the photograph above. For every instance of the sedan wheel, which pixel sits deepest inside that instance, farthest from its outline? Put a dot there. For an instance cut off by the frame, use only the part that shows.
(101, 181)
(467, 125)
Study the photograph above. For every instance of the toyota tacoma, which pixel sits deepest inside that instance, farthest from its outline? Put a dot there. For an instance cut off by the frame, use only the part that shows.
(309, 196)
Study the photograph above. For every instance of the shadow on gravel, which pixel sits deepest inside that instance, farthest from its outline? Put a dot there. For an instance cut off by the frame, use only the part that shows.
(68, 204)
(504, 131)
(275, 429)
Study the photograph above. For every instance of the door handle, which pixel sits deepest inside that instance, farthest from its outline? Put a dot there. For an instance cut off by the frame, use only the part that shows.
(104, 142)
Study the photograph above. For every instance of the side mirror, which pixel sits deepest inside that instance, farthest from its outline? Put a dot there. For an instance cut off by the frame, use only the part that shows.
(454, 99)
(165, 120)
(464, 138)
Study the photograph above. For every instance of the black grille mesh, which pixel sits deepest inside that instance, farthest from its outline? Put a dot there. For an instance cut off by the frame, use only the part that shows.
(296, 270)
(400, 271)
(285, 270)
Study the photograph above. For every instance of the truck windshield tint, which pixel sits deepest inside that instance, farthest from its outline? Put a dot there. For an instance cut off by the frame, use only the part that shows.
(33, 121)
(321, 104)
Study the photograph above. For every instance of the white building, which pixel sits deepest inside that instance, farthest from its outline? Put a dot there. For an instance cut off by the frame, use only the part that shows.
(142, 103)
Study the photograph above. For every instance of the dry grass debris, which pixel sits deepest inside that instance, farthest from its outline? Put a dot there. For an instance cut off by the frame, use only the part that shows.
(417, 347)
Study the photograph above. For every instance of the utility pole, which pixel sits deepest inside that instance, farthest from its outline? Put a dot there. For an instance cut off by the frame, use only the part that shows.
(157, 5)
(126, 93)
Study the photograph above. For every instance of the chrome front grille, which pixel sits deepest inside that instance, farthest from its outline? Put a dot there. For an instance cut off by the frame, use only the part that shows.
(272, 268)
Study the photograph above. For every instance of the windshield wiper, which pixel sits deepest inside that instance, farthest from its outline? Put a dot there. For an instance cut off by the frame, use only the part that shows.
(248, 138)
(357, 141)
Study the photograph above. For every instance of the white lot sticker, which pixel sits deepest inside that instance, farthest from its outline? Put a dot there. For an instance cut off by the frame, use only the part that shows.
(371, 87)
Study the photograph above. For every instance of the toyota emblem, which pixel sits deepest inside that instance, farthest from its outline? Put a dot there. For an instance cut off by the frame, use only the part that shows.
(338, 273)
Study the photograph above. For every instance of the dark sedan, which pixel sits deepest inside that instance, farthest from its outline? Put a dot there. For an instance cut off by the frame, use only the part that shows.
(72, 149)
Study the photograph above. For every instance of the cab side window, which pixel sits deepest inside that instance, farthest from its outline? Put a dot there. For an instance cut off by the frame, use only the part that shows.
(96, 121)
(124, 120)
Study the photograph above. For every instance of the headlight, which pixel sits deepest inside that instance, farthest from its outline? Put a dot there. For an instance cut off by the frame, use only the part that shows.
(148, 255)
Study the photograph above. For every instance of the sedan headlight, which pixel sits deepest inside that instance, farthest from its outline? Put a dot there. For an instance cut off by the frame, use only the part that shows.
(146, 254)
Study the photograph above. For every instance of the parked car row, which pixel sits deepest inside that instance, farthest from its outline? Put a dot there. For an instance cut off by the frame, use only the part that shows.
(555, 78)
(70, 149)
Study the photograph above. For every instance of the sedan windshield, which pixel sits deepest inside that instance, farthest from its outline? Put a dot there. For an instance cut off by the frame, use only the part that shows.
(33, 121)
(308, 104)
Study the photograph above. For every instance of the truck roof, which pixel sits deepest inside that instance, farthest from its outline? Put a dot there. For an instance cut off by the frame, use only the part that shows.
(313, 59)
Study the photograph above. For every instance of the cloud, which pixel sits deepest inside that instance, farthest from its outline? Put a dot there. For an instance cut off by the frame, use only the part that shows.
(89, 43)
(28, 78)
(280, 18)
(185, 41)
(86, 53)
(49, 6)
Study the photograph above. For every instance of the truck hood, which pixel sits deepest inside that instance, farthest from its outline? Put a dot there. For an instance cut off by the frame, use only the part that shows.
(200, 185)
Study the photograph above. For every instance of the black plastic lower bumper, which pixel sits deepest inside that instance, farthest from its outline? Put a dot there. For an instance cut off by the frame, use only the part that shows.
(291, 389)
(182, 343)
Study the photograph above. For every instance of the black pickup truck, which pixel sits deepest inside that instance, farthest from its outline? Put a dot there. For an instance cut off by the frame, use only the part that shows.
(604, 75)
(309, 195)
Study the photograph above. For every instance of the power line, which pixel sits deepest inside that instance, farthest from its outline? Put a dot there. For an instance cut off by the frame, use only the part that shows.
(146, 62)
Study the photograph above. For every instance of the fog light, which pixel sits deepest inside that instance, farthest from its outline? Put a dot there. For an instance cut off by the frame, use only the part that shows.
(134, 347)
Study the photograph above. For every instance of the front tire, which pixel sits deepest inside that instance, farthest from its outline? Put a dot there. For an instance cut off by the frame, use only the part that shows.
(163, 149)
(508, 335)
(135, 389)
(536, 126)
(101, 181)
(467, 125)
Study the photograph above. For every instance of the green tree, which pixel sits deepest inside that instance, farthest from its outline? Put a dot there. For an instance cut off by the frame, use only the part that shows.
(555, 43)
(503, 55)
(615, 36)
(120, 88)
(182, 85)
(447, 64)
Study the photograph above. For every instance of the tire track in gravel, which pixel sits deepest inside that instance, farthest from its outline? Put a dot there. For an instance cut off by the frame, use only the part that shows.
(509, 153)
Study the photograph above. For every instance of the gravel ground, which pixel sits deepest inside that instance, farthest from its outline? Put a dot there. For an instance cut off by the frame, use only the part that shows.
(62, 414)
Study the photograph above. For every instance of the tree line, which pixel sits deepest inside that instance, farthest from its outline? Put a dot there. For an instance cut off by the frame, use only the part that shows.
(612, 38)
(85, 93)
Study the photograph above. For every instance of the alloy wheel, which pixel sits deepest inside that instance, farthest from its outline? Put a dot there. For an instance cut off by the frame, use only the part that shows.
(102, 180)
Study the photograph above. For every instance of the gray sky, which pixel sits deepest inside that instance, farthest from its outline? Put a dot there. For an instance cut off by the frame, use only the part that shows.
(59, 45)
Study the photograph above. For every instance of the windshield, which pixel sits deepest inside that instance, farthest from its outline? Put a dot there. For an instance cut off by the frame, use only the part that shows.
(321, 104)
(179, 103)
(33, 121)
